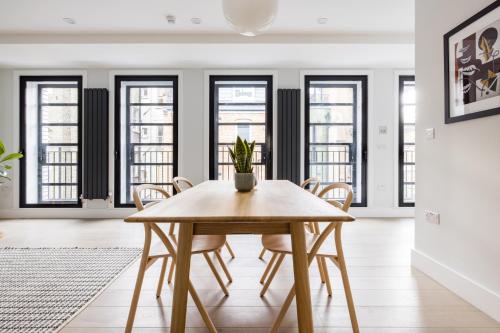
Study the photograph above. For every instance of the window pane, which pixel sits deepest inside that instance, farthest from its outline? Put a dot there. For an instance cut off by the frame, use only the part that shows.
(151, 174)
(59, 114)
(242, 94)
(59, 134)
(321, 94)
(409, 134)
(228, 133)
(152, 114)
(409, 96)
(157, 95)
(151, 134)
(409, 114)
(153, 154)
(331, 134)
(331, 114)
(59, 95)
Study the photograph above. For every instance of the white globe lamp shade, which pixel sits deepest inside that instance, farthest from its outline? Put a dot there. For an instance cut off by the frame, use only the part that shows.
(250, 17)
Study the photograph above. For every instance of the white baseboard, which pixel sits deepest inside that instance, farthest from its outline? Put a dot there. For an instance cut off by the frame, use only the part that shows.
(474, 293)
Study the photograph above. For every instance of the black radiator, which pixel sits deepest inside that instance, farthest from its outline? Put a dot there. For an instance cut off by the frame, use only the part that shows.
(95, 143)
(289, 135)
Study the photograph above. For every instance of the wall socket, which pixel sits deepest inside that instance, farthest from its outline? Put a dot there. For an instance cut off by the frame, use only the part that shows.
(432, 217)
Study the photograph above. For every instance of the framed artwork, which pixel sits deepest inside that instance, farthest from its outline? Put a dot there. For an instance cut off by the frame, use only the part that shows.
(472, 67)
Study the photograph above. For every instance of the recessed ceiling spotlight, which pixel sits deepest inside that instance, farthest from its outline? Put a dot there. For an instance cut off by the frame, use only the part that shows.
(323, 20)
(69, 20)
(170, 19)
(196, 20)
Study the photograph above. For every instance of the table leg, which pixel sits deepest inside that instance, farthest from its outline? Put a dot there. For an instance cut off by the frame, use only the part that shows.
(181, 284)
(301, 273)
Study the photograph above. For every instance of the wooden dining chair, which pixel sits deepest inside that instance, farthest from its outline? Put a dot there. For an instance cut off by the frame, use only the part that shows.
(316, 248)
(201, 245)
(182, 184)
(313, 184)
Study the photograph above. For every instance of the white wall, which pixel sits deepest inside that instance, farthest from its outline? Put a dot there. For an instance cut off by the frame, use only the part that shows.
(458, 173)
(382, 147)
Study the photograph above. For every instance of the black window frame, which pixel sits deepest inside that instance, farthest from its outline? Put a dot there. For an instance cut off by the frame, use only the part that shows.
(22, 146)
(401, 125)
(363, 79)
(175, 108)
(213, 124)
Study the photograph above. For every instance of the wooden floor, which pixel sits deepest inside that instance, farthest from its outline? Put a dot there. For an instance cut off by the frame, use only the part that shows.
(390, 296)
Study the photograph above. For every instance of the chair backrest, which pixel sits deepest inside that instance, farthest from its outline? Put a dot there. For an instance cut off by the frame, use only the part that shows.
(147, 187)
(181, 184)
(338, 186)
(313, 183)
(166, 239)
(337, 226)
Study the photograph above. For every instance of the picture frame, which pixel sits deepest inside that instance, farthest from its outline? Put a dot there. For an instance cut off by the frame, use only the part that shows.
(472, 67)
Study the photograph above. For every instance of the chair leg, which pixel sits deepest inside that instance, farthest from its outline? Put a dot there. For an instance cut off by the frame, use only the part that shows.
(201, 309)
(321, 270)
(327, 277)
(345, 279)
(223, 265)
(171, 272)
(261, 255)
(230, 250)
(162, 276)
(216, 274)
(268, 268)
(283, 310)
(273, 273)
(140, 278)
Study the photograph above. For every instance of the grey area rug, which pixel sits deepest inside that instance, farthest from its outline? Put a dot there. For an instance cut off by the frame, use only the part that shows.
(41, 288)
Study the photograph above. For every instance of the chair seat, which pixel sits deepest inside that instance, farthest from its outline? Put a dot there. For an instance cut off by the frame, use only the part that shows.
(204, 243)
(283, 244)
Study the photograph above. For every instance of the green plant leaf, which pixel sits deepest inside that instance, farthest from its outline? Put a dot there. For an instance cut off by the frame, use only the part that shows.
(7, 167)
(2, 148)
(12, 156)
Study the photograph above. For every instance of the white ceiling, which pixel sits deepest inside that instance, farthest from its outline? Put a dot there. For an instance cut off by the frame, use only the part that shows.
(148, 16)
(135, 34)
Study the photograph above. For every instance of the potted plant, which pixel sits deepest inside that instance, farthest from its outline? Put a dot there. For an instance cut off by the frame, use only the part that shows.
(4, 167)
(241, 155)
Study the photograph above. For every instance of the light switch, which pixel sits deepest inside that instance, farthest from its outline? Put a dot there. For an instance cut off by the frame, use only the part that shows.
(432, 217)
(430, 134)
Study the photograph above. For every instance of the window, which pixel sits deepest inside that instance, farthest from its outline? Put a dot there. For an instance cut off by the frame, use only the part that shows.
(240, 105)
(146, 135)
(407, 141)
(51, 108)
(336, 131)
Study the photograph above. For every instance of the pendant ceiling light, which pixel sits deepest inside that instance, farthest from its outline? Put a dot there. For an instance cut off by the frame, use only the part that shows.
(250, 17)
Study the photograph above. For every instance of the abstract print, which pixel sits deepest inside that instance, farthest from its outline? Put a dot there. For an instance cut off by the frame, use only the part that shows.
(477, 66)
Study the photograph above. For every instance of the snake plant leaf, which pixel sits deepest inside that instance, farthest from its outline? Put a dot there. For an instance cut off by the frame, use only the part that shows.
(2, 148)
(12, 156)
(241, 155)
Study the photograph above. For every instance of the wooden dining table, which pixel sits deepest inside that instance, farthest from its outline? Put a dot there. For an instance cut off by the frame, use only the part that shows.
(216, 208)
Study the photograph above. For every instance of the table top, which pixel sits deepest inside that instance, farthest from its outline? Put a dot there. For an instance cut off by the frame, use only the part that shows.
(218, 201)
